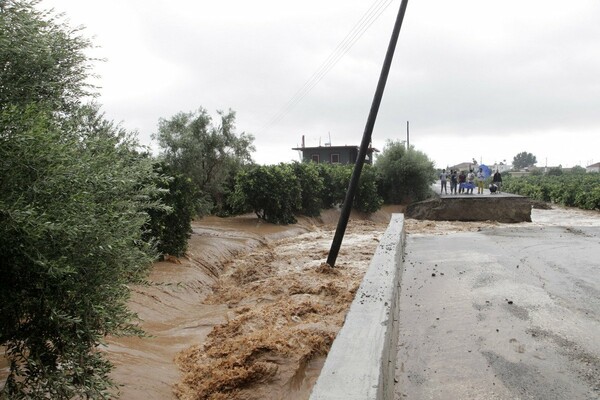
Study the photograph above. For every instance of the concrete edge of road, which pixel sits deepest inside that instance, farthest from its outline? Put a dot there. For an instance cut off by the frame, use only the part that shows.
(362, 358)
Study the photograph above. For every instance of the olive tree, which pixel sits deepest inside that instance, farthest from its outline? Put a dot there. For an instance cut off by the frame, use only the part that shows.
(74, 196)
(72, 211)
(41, 59)
(210, 155)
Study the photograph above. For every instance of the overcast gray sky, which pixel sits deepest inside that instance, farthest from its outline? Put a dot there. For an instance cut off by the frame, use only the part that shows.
(476, 78)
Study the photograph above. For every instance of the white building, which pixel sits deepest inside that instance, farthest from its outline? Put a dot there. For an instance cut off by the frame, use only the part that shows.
(501, 167)
(593, 168)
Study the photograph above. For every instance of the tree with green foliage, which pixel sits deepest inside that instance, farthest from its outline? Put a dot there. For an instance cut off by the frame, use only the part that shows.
(207, 154)
(578, 169)
(405, 174)
(338, 179)
(170, 227)
(524, 160)
(328, 195)
(74, 195)
(273, 192)
(311, 188)
(556, 171)
(72, 211)
(367, 198)
(277, 192)
(41, 59)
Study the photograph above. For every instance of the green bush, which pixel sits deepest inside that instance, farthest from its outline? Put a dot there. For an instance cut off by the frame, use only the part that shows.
(273, 192)
(311, 188)
(170, 225)
(329, 195)
(339, 179)
(405, 175)
(569, 189)
(367, 197)
(336, 178)
(72, 209)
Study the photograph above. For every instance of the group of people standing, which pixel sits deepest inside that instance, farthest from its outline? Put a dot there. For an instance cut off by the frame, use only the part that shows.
(461, 182)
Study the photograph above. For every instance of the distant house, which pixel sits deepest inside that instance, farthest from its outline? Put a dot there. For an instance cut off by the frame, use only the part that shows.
(501, 167)
(334, 154)
(466, 166)
(593, 168)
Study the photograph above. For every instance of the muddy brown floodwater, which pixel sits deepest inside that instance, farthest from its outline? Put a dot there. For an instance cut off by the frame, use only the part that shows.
(249, 313)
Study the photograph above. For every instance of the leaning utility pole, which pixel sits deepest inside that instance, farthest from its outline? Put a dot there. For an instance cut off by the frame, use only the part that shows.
(366, 140)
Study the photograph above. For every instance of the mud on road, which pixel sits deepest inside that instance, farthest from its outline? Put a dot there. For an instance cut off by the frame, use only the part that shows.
(501, 311)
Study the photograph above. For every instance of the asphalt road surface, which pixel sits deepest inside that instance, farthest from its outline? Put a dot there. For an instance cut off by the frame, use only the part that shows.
(508, 312)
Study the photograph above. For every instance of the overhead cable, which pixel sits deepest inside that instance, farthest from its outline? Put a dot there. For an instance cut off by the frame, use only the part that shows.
(363, 24)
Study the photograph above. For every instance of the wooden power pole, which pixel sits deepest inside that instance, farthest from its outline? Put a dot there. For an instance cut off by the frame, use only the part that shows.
(366, 139)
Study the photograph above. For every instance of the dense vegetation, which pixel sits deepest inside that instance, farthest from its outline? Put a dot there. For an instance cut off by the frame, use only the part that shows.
(569, 189)
(74, 198)
(277, 192)
(170, 227)
(209, 156)
(405, 174)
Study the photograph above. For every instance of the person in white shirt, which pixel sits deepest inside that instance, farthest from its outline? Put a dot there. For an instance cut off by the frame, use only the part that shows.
(443, 179)
(470, 179)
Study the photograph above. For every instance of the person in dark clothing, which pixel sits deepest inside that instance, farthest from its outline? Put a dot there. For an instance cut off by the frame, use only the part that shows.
(453, 181)
(462, 179)
(497, 180)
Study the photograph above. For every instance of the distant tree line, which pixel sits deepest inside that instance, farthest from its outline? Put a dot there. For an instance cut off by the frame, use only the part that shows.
(277, 193)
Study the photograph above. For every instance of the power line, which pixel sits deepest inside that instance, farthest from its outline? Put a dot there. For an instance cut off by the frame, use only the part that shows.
(343, 47)
(357, 31)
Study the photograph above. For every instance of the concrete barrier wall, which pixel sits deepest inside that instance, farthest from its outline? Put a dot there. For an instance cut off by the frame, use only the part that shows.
(361, 361)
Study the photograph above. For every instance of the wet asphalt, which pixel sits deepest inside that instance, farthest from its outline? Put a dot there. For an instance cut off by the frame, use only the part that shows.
(508, 312)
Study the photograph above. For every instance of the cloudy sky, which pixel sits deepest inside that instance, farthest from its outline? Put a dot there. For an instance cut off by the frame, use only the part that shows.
(483, 79)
